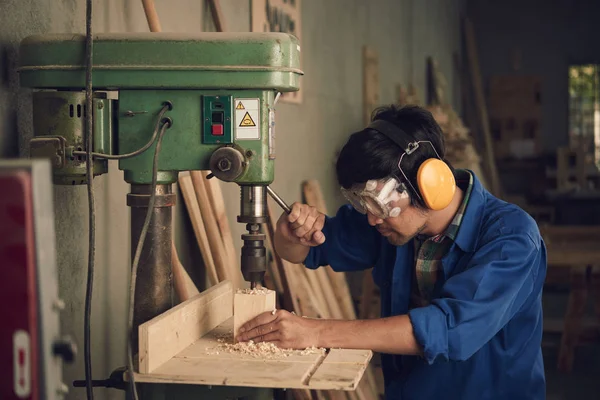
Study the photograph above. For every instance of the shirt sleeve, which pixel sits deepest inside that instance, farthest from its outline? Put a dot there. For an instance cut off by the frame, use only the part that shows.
(476, 303)
(351, 244)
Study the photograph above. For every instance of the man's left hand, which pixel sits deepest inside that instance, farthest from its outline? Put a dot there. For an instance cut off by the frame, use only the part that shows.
(285, 330)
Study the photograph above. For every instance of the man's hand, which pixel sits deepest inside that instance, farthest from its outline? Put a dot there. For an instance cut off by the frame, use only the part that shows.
(285, 330)
(302, 225)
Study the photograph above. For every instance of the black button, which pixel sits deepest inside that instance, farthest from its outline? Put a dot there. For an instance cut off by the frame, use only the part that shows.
(217, 117)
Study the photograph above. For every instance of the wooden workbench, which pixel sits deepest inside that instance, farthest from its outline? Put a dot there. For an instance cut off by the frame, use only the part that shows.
(186, 345)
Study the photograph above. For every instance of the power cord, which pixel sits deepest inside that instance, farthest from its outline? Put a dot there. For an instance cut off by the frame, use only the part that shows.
(139, 151)
(92, 213)
(167, 122)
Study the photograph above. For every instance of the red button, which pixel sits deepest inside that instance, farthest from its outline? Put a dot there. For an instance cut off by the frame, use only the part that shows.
(217, 129)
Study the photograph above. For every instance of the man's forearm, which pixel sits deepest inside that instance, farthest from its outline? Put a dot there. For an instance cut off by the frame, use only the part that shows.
(393, 335)
(294, 253)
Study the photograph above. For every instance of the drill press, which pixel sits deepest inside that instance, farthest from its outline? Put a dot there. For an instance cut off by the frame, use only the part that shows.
(218, 91)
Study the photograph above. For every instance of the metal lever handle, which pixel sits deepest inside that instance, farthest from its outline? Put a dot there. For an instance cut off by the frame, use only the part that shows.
(279, 200)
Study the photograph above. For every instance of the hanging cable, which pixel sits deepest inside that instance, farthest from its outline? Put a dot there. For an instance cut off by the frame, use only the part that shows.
(89, 41)
(167, 122)
(139, 151)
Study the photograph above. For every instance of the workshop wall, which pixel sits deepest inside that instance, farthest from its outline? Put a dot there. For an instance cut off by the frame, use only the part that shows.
(404, 32)
(540, 38)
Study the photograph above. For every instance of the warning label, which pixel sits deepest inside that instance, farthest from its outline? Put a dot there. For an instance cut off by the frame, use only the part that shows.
(247, 119)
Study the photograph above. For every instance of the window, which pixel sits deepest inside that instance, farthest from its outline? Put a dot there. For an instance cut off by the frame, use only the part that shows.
(584, 110)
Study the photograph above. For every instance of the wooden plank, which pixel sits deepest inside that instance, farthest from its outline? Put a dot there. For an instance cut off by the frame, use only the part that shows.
(191, 202)
(314, 197)
(247, 306)
(225, 271)
(164, 336)
(250, 373)
(183, 284)
(210, 347)
(217, 202)
(217, 15)
(257, 373)
(481, 107)
(151, 16)
(342, 371)
(286, 274)
(370, 82)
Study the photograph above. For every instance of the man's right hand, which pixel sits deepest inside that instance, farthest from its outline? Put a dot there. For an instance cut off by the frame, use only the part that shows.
(302, 226)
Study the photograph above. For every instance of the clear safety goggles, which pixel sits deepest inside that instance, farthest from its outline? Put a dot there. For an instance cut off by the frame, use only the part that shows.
(384, 198)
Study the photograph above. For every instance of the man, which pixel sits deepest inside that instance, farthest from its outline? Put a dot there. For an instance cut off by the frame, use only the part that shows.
(460, 271)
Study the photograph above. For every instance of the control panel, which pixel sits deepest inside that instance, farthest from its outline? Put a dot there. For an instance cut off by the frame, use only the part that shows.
(216, 118)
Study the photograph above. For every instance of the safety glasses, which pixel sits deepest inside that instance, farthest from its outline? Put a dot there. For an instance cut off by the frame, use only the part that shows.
(384, 198)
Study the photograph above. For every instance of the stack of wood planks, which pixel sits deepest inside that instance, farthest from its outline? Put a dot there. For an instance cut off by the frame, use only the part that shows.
(204, 201)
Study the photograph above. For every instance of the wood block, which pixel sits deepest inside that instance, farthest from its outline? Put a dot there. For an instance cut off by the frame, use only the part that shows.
(248, 304)
(164, 336)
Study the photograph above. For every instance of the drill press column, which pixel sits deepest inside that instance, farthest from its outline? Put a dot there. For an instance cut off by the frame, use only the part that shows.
(253, 206)
(153, 287)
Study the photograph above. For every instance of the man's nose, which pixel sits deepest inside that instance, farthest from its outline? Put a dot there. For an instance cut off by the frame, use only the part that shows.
(373, 220)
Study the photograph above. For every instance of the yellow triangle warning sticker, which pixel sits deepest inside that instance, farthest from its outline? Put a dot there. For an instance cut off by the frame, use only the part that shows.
(247, 120)
(240, 106)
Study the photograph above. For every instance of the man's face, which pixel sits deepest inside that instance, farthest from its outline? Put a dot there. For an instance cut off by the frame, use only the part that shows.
(401, 229)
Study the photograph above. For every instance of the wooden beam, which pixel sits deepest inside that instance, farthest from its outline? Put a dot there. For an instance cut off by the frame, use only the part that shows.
(484, 120)
(225, 271)
(217, 15)
(370, 82)
(151, 16)
(314, 197)
(164, 336)
(184, 286)
(191, 202)
(215, 195)
(247, 306)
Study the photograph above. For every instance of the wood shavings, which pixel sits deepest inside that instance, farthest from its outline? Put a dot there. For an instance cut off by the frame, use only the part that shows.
(268, 351)
(263, 291)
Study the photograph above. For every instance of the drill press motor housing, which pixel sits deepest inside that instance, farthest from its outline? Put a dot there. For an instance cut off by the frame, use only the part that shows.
(220, 88)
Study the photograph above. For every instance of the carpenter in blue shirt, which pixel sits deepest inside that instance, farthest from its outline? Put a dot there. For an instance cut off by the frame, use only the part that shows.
(460, 271)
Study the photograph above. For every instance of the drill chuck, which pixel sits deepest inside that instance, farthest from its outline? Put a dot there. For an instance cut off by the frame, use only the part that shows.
(254, 255)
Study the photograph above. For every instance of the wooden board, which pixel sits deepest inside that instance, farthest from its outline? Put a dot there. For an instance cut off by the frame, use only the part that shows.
(484, 122)
(191, 203)
(249, 306)
(178, 347)
(370, 82)
(201, 363)
(167, 334)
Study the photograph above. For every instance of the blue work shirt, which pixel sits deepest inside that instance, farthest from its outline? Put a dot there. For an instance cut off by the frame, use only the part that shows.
(481, 334)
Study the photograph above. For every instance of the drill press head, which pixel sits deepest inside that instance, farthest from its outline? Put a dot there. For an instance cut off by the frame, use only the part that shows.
(223, 116)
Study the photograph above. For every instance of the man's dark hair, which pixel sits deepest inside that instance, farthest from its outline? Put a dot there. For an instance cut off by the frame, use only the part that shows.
(369, 154)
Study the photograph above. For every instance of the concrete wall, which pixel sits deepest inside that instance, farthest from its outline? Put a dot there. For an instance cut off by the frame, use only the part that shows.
(546, 36)
(404, 32)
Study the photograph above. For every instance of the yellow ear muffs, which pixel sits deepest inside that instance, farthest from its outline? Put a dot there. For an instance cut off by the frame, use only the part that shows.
(436, 184)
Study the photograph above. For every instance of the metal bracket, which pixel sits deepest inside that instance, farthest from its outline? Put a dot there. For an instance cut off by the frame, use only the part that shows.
(412, 146)
(51, 147)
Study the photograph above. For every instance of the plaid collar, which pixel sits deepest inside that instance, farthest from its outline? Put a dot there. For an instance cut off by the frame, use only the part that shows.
(464, 180)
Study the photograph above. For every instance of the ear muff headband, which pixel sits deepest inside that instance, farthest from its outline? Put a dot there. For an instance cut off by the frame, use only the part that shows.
(435, 180)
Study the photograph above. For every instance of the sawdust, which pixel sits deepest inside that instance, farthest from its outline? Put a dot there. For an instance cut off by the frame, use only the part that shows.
(262, 290)
(262, 350)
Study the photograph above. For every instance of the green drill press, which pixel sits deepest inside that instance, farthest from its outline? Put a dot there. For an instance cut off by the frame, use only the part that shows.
(218, 91)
